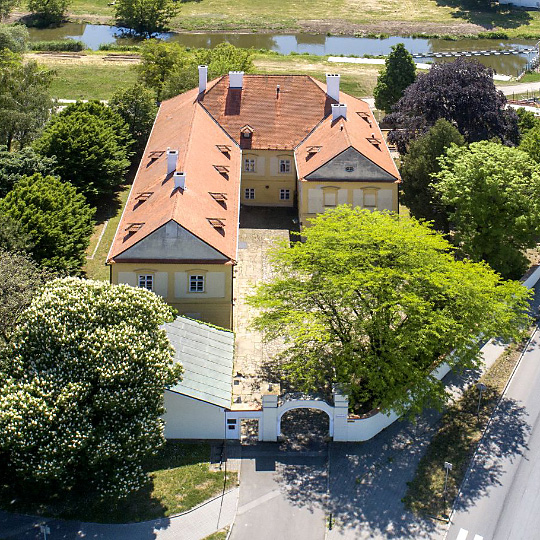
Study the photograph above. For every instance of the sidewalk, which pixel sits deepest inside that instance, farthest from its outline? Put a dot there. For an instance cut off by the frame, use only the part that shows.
(195, 524)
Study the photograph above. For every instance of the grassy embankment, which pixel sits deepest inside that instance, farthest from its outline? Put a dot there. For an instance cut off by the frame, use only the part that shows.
(402, 17)
(459, 432)
(179, 478)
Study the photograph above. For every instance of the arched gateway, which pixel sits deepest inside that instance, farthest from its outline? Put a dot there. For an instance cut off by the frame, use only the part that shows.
(305, 403)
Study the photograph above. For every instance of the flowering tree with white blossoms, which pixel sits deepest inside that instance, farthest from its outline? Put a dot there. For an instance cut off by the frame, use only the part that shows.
(82, 385)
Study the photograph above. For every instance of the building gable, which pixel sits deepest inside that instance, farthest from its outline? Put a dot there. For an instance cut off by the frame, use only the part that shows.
(351, 165)
(171, 242)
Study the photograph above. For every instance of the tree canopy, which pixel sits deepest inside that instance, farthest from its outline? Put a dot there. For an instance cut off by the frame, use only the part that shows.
(462, 92)
(145, 17)
(13, 237)
(399, 72)
(136, 105)
(82, 385)
(13, 36)
(25, 162)
(55, 217)
(373, 302)
(48, 12)
(493, 192)
(25, 100)
(88, 151)
(417, 167)
(6, 7)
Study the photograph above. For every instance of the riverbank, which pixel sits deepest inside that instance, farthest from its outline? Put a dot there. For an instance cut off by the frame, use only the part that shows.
(336, 17)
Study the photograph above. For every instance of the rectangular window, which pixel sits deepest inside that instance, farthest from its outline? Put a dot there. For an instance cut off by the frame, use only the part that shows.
(284, 194)
(249, 193)
(284, 165)
(330, 198)
(196, 283)
(249, 165)
(370, 201)
(146, 281)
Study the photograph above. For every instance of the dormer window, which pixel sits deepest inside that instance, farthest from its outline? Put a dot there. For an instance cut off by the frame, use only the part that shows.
(246, 132)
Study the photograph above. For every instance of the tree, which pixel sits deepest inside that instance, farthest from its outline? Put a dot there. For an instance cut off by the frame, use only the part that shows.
(81, 391)
(526, 121)
(13, 36)
(6, 7)
(13, 237)
(25, 162)
(48, 12)
(373, 302)
(25, 100)
(145, 17)
(418, 166)
(22, 278)
(137, 107)
(87, 151)
(531, 142)
(399, 72)
(494, 195)
(55, 216)
(461, 92)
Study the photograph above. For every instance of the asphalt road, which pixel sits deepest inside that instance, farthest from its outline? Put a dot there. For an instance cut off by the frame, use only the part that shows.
(500, 498)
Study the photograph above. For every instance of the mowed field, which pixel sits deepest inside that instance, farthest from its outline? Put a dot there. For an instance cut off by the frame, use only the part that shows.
(349, 17)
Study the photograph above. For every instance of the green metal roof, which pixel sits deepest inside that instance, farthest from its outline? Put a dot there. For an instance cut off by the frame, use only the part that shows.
(206, 353)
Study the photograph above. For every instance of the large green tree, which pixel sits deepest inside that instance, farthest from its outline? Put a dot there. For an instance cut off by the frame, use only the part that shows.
(82, 385)
(399, 72)
(136, 105)
(145, 17)
(25, 162)
(6, 7)
(88, 152)
(493, 192)
(13, 36)
(48, 12)
(55, 216)
(373, 302)
(13, 237)
(25, 100)
(417, 168)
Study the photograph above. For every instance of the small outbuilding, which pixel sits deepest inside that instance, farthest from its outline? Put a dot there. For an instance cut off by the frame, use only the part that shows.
(196, 407)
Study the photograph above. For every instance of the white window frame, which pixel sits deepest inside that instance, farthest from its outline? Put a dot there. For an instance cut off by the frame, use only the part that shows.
(284, 166)
(249, 165)
(146, 281)
(196, 283)
(284, 194)
(249, 194)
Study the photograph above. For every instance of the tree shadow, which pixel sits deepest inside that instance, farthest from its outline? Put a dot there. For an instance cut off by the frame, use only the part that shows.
(488, 16)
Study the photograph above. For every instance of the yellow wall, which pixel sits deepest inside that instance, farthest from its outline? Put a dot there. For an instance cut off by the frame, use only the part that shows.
(266, 180)
(316, 197)
(214, 305)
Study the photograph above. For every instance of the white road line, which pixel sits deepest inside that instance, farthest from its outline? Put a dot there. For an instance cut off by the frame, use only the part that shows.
(462, 535)
(478, 537)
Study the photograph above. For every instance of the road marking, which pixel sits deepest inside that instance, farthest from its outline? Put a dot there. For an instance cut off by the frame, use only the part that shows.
(246, 507)
(463, 533)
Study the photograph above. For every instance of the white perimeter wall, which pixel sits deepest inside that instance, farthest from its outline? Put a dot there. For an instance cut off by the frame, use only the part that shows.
(189, 418)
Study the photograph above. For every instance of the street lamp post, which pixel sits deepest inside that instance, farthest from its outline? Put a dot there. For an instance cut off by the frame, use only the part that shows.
(45, 530)
(448, 468)
(481, 387)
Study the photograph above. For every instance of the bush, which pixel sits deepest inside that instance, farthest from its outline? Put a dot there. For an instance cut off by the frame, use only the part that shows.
(116, 47)
(70, 45)
(13, 37)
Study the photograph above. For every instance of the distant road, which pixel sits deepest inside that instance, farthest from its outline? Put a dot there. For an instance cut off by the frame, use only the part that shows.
(519, 88)
(500, 499)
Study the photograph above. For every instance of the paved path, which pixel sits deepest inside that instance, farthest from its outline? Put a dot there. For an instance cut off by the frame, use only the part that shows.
(193, 525)
(520, 88)
(281, 494)
(500, 498)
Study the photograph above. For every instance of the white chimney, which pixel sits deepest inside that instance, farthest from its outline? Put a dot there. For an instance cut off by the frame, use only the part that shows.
(179, 180)
(203, 77)
(172, 158)
(339, 110)
(332, 85)
(236, 79)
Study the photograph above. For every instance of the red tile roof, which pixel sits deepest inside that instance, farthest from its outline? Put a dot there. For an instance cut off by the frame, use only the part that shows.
(183, 125)
(278, 120)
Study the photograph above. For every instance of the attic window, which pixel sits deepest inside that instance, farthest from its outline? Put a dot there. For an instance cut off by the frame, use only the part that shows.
(365, 116)
(217, 223)
(143, 196)
(222, 169)
(133, 227)
(247, 132)
(374, 141)
(349, 168)
(223, 148)
(313, 149)
(154, 154)
(219, 197)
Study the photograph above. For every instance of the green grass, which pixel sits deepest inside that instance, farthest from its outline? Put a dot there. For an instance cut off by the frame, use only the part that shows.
(90, 81)
(219, 535)
(178, 480)
(108, 209)
(455, 441)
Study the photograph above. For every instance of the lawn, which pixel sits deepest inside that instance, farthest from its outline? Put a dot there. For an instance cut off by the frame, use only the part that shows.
(179, 478)
(339, 16)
